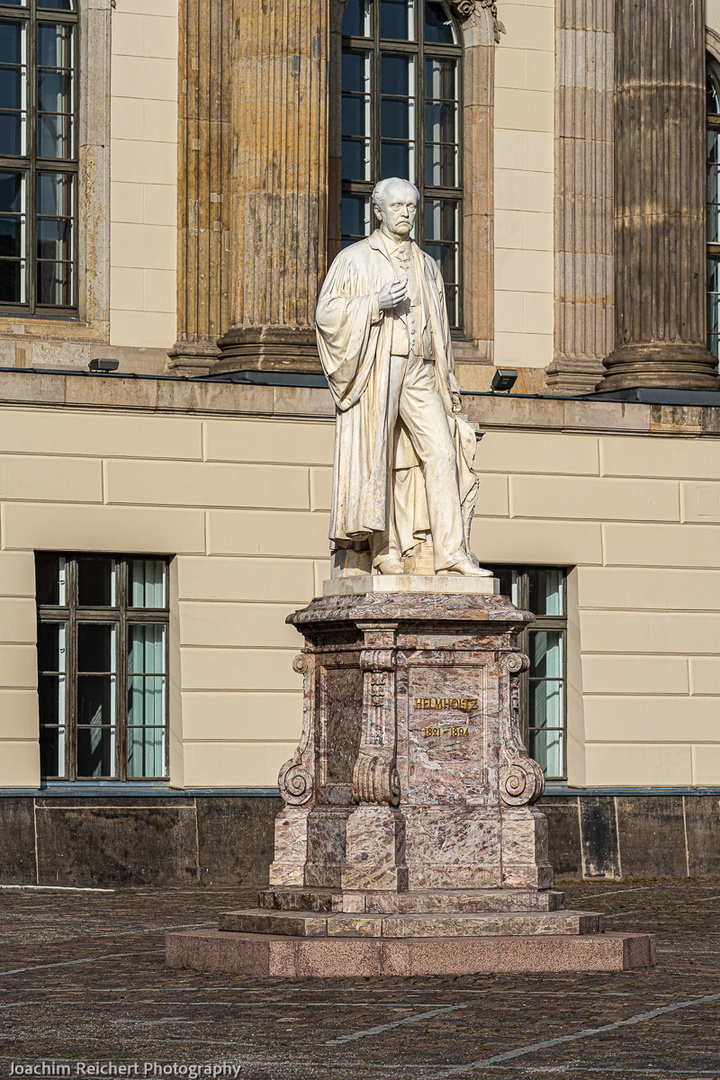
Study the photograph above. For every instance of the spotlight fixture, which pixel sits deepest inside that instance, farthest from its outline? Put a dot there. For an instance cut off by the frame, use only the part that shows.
(503, 380)
(103, 364)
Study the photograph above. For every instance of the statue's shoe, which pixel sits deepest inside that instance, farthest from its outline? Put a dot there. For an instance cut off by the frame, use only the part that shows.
(467, 568)
(391, 566)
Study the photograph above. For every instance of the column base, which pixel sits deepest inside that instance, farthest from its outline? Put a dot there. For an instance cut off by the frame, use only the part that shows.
(576, 375)
(268, 348)
(665, 365)
(196, 357)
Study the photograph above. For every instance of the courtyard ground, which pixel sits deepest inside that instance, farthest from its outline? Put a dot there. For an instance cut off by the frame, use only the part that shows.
(82, 982)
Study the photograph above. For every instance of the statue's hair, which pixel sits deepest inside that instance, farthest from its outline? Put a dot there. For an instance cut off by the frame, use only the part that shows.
(381, 187)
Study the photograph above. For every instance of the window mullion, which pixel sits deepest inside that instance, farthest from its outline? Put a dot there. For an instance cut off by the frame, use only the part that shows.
(71, 729)
(121, 700)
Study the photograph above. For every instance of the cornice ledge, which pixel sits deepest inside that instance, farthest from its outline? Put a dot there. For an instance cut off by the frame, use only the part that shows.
(464, 9)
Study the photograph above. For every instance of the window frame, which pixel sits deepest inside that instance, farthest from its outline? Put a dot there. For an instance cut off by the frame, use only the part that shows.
(418, 48)
(72, 615)
(712, 122)
(557, 623)
(31, 163)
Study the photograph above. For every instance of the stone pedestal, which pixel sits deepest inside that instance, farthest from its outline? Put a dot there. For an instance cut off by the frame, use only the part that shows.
(408, 843)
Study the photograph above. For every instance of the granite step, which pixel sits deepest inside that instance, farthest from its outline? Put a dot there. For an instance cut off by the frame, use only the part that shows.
(414, 925)
(441, 900)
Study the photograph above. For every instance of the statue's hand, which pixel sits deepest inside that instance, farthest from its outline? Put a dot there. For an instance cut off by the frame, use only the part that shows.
(393, 294)
(456, 403)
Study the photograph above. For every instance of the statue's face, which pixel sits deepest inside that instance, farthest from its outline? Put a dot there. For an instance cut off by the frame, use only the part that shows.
(396, 209)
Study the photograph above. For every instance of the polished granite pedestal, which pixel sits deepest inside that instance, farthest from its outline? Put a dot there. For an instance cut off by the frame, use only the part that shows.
(408, 844)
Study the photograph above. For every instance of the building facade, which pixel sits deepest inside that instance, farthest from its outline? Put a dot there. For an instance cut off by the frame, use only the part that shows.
(175, 176)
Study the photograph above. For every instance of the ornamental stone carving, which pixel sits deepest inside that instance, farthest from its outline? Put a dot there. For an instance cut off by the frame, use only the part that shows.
(522, 781)
(465, 8)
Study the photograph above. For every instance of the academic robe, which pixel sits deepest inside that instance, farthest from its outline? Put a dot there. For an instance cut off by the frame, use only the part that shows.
(354, 340)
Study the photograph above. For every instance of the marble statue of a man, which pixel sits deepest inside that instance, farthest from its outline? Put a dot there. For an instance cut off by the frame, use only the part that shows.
(403, 472)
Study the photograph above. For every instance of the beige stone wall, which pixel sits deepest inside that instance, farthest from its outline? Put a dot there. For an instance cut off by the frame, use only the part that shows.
(242, 503)
(524, 163)
(143, 202)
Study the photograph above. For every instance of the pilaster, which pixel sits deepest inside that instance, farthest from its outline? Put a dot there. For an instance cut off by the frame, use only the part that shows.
(660, 330)
(204, 148)
(584, 227)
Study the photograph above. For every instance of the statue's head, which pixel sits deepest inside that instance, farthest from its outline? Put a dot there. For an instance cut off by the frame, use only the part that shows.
(395, 204)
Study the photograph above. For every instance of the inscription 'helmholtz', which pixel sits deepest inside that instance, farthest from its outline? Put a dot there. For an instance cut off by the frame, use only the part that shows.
(466, 704)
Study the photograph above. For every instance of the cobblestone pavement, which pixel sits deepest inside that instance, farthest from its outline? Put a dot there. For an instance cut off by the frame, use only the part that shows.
(83, 981)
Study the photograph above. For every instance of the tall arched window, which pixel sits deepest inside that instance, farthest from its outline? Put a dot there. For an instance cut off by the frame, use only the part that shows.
(713, 206)
(401, 104)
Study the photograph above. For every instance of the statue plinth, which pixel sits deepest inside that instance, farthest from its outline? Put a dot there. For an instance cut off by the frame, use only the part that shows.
(408, 843)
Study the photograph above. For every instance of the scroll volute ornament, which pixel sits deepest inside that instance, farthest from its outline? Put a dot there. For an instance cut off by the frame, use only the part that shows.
(296, 780)
(465, 8)
(522, 781)
(375, 776)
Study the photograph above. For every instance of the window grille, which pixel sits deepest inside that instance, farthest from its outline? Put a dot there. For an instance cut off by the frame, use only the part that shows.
(38, 156)
(102, 666)
(401, 80)
(543, 688)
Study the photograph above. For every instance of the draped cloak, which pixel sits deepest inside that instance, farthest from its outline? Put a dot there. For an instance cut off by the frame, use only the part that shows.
(354, 341)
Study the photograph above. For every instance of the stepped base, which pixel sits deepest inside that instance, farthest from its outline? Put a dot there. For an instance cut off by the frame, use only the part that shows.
(431, 901)
(415, 925)
(272, 956)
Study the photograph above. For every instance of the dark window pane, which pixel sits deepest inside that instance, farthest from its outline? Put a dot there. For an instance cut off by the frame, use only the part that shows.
(51, 646)
(54, 286)
(53, 91)
(355, 215)
(11, 133)
(438, 25)
(356, 20)
(95, 700)
(355, 159)
(55, 45)
(355, 71)
(52, 752)
(53, 238)
(55, 194)
(95, 752)
(54, 135)
(713, 96)
(10, 237)
(50, 571)
(11, 282)
(96, 647)
(547, 592)
(11, 192)
(395, 160)
(11, 42)
(395, 75)
(57, 5)
(354, 115)
(395, 118)
(396, 19)
(11, 87)
(52, 697)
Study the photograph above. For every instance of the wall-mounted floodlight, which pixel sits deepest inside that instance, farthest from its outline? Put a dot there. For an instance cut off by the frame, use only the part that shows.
(101, 364)
(503, 380)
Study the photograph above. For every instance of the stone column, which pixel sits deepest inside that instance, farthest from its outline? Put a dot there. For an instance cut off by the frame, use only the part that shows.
(280, 178)
(204, 158)
(660, 198)
(584, 226)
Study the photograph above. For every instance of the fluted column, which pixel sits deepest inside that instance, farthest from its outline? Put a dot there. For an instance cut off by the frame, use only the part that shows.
(660, 198)
(584, 225)
(204, 160)
(280, 179)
